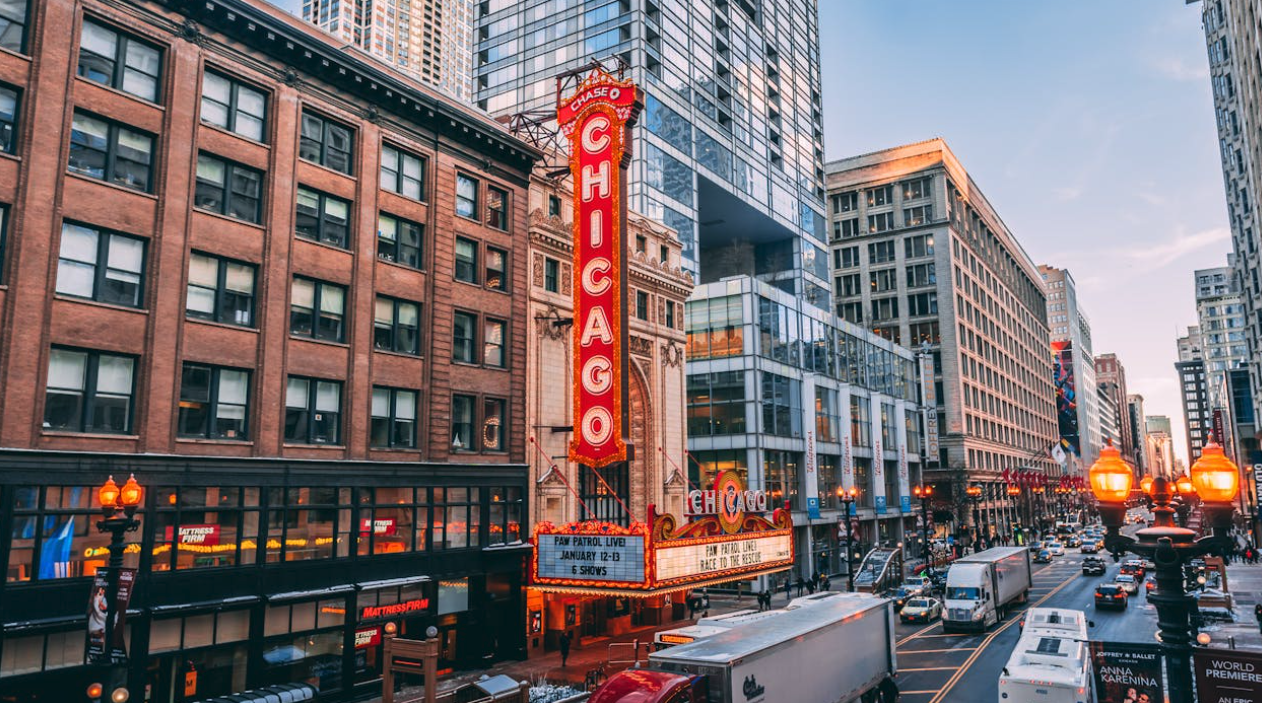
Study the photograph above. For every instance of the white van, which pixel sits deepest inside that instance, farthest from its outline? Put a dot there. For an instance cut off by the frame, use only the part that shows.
(1047, 668)
(1056, 622)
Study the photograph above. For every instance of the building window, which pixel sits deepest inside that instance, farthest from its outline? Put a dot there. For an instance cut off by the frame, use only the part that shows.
(89, 391)
(716, 403)
(505, 515)
(402, 173)
(642, 305)
(464, 337)
(213, 402)
(8, 115)
(922, 304)
(918, 215)
(882, 280)
(881, 222)
(884, 309)
(317, 310)
(497, 208)
(880, 252)
(918, 188)
(554, 206)
(670, 315)
(845, 229)
(313, 411)
(12, 24)
(399, 240)
(462, 439)
(220, 290)
(846, 257)
(493, 343)
(309, 523)
(920, 245)
(322, 218)
(848, 285)
(466, 197)
(228, 188)
(326, 143)
(921, 275)
(109, 152)
(236, 107)
(493, 425)
(4, 236)
(551, 271)
(845, 202)
(397, 326)
(881, 196)
(466, 260)
(101, 266)
(119, 61)
(393, 418)
(496, 269)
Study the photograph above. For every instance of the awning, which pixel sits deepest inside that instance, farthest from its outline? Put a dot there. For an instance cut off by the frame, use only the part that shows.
(318, 593)
(391, 583)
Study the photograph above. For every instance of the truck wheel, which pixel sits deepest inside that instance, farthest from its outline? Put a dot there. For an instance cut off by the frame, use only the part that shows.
(868, 696)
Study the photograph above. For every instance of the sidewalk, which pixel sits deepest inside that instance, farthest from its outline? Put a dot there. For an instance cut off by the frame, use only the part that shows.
(1245, 584)
(584, 656)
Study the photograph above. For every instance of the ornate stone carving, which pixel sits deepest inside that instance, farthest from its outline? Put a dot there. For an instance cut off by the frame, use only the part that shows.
(566, 276)
(641, 346)
(189, 32)
(536, 269)
(550, 326)
(291, 77)
(372, 114)
(672, 355)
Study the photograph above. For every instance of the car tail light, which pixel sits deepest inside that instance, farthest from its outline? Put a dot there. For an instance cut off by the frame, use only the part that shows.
(1118, 595)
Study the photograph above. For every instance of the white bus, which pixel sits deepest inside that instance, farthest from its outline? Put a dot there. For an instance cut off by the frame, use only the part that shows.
(1047, 668)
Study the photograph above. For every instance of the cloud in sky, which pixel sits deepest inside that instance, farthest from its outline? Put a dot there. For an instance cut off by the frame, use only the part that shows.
(1178, 69)
(1153, 257)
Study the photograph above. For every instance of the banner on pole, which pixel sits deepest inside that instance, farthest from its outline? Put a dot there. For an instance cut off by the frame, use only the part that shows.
(1127, 671)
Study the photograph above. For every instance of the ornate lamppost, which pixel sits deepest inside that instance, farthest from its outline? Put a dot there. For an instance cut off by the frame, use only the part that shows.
(1217, 481)
(847, 499)
(118, 506)
(974, 492)
(923, 493)
(1014, 493)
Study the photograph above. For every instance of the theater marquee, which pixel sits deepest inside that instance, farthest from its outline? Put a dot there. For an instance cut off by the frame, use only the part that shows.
(728, 536)
(596, 120)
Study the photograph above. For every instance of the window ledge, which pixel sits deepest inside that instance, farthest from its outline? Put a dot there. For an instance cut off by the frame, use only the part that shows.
(208, 440)
(313, 340)
(16, 54)
(404, 355)
(224, 325)
(107, 184)
(229, 218)
(98, 303)
(230, 133)
(6, 156)
(293, 445)
(89, 435)
(122, 93)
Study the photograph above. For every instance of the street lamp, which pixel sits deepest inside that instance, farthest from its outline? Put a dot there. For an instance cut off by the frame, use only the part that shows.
(974, 493)
(1168, 546)
(118, 506)
(923, 493)
(847, 499)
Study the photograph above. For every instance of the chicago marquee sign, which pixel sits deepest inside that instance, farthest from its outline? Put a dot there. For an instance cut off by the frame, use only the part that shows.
(596, 120)
(728, 537)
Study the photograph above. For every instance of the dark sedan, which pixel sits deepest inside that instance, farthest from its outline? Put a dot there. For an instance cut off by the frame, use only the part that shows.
(1110, 595)
(1093, 566)
(1043, 557)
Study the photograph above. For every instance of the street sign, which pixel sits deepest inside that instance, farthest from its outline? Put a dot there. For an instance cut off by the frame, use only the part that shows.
(1127, 671)
(1228, 675)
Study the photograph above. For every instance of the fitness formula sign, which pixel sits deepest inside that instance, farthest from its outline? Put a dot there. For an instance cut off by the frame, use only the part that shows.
(595, 120)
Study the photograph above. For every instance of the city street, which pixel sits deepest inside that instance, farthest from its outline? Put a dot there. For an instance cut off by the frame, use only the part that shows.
(940, 668)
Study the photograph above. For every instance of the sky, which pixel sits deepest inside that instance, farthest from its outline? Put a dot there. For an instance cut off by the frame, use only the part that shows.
(1088, 125)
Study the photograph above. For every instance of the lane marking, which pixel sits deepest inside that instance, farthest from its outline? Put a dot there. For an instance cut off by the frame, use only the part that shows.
(939, 651)
(916, 634)
(930, 668)
(977, 653)
(915, 693)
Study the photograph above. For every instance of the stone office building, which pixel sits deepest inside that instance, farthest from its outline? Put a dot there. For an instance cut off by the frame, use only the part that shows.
(286, 288)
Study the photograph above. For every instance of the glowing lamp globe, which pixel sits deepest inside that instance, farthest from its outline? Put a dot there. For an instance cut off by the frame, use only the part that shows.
(1215, 477)
(1111, 477)
(1014, 490)
(131, 493)
(1145, 484)
(1184, 486)
(108, 494)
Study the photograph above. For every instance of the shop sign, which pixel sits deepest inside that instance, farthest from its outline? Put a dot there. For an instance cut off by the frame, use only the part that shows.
(407, 607)
(367, 637)
(1228, 675)
(728, 501)
(105, 645)
(1122, 667)
(705, 559)
(613, 558)
(928, 391)
(205, 535)
(596, 121)
(383, 526)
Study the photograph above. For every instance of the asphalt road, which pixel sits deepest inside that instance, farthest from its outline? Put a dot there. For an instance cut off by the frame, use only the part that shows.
(964, 668)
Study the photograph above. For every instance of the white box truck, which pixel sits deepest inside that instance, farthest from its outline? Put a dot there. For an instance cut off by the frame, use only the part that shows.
(980, 588)
(791, 658)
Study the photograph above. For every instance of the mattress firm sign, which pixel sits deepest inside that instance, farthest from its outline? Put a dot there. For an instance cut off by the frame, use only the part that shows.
(699, 560)
(616, 558)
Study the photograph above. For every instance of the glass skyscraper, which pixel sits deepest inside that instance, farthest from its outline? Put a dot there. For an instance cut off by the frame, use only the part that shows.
(729, 151)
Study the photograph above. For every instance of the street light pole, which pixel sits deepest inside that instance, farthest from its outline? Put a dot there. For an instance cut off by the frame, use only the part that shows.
(847, 500)
(1216, 479)
(118, 506)
(923, 492)
(974, 496)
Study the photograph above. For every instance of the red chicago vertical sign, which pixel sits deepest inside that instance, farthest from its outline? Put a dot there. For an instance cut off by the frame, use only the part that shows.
(596, 119)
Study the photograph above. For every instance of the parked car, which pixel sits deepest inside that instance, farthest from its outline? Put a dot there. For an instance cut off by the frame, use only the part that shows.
(1056, 548)
(1043, 557)
(1110, 595)
(1128, 582)
(1093, 566)
(921, 610)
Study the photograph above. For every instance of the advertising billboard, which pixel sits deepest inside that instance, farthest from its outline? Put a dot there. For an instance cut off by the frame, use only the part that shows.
(1127, 671)
(1066, 396)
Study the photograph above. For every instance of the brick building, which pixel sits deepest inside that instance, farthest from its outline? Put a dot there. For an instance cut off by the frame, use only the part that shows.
(657, 289)
(284, 286)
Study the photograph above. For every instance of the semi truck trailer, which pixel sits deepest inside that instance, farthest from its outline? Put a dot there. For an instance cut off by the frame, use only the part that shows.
(981, 587)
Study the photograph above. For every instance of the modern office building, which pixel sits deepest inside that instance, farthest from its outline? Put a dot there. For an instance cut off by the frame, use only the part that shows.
(1074, 358)
(428, 39)
(921, 258)
(1138, 426)
(1233, 47)
(802, 404)
(1111, 378)
(1110, 429)
(1159, 450)
(1190, 345)
(287, 289)
(1197, 414)
(1220, 314)
(729, 150)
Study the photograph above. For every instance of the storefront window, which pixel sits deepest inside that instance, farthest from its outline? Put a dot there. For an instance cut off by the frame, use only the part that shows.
(28, 655)
(453, 596)
(54, 535)
(505, 516)
(780, 476)
(704, 466)
(314, 659)
(829, 473)
(386, 524)
(315, 523)
(203, 527)
(860, 422)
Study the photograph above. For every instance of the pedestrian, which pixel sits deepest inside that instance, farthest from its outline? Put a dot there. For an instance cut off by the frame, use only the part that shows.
(564, 641)
(705, 604)
(801, 586)
(1257, 614)
(828, 584)
(810, 587)
(693, 602)
(788, 589)
(888, 690)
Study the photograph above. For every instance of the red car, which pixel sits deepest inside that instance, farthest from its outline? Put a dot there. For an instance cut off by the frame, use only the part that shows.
(1150, 585)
